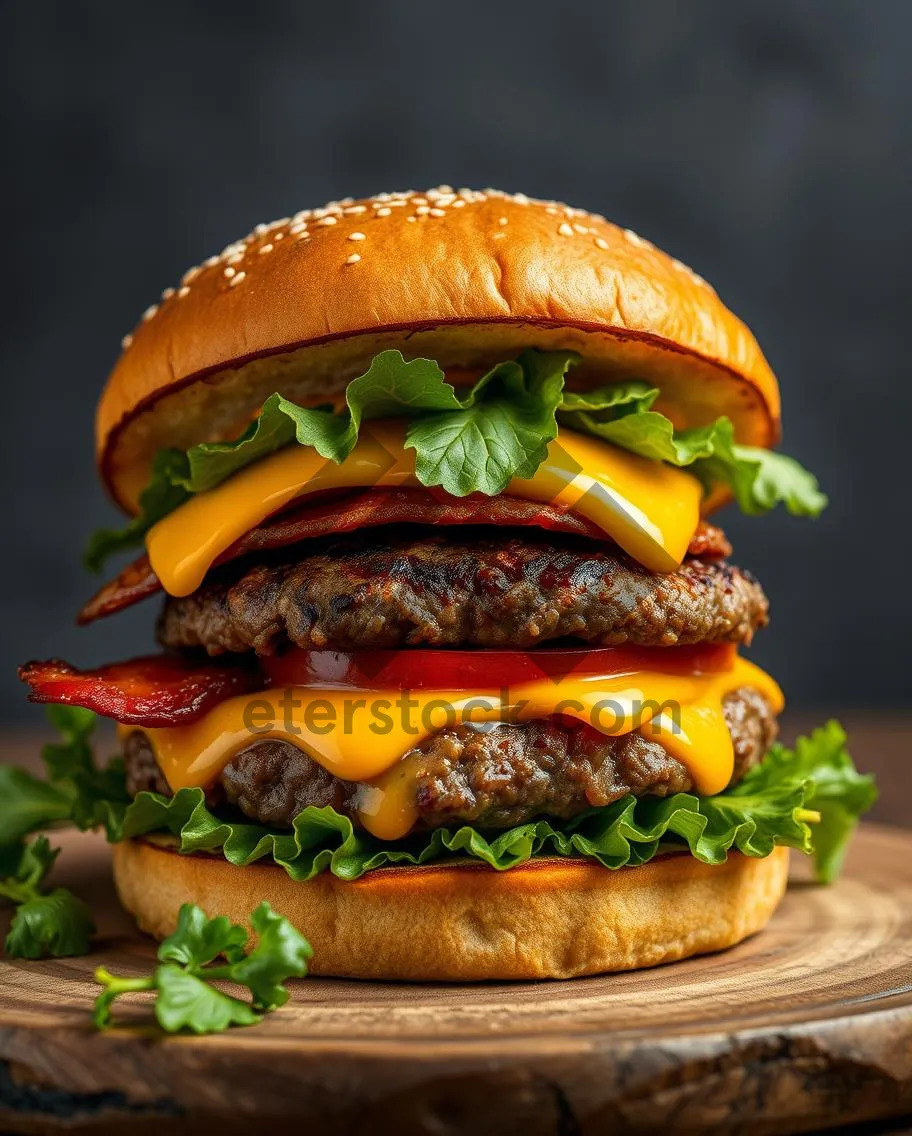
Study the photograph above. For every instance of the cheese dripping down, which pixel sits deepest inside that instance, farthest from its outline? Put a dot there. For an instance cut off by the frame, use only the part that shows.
(371, 737)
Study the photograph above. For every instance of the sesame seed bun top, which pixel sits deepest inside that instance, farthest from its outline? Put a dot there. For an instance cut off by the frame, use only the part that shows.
(467, 278)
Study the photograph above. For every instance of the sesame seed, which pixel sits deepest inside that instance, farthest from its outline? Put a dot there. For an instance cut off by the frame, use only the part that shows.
(167, 293)
(422, 210)
(446, 199)
(697, 278)
(266, 248)
(581, 229)
(305, 236)
(437, 212)
(459, 203)
(354, 258)
(300, 227)
(150, 311)
(210, 262)
(356, 236)
(419, 201)
(353, 210)
(229, 271)
(302, 215)
(550, 209)
(411, 218)
(565, 230)
(636, 239)
(502, 221)
(236, 259)
(181, 292)
(601, 242)
(189, 275)
(394, 204)
(278, 236)
(260, 229)
(680, 265)
(519, 198)
(384, 212)
(240, 276)
(327, 221)
(126, 341)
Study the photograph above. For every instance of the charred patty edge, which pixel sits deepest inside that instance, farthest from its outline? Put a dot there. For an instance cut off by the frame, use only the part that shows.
(508, 592)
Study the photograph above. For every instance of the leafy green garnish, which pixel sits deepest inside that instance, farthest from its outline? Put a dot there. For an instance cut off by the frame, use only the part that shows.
(839, 793)
(28, 804)
(501, 430)
(758, 479)
(55, 923)
(184, 995)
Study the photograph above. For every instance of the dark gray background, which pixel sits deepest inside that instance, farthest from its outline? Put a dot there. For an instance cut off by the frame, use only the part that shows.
(766, 143)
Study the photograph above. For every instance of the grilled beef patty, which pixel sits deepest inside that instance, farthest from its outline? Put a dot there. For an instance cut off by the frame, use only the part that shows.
(493, 779)
(446, 590)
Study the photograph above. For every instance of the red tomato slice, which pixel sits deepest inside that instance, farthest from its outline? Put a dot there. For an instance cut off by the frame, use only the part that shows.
(441, 669)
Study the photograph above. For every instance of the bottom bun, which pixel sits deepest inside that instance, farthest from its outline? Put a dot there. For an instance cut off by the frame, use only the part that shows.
(550, 918)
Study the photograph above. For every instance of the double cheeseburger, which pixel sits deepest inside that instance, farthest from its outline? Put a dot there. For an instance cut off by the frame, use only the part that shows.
(450, 665)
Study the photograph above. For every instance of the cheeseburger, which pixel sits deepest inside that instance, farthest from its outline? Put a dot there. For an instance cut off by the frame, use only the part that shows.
(451, 666)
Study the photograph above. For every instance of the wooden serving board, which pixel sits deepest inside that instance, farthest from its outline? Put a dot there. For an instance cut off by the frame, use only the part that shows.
(805, 1027)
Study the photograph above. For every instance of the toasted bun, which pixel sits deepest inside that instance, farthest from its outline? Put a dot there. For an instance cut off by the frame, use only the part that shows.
(552, 918)
(301, 306)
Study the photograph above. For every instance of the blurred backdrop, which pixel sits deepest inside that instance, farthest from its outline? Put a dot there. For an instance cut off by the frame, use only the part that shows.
(764, 142)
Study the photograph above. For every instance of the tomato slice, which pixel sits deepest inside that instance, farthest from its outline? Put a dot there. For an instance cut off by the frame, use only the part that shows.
(442, 669)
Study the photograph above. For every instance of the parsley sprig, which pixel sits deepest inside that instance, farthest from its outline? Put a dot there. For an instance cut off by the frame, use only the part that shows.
(52, 924)
(184, 995)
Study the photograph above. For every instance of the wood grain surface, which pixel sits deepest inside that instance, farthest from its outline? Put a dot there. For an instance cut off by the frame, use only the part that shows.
(806, 1026)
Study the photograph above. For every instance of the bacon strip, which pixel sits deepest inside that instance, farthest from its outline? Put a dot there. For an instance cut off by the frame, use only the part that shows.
(156, 690)
(371, 507)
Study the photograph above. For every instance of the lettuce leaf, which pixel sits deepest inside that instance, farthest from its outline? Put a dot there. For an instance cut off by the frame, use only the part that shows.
(840, 794)
(758, 479)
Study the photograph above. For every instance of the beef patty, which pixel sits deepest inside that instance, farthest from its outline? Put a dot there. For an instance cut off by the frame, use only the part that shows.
(445, 590)
(493, 779)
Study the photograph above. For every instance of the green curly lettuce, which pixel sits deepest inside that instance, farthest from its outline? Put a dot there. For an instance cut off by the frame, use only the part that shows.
(758, 479)
(478, 443)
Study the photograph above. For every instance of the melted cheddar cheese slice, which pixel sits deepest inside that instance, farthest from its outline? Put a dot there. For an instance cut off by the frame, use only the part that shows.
(370, 737)
(650, 509)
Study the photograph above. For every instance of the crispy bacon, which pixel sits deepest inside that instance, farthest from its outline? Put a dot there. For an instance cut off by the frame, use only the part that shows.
(156, 690)
(371, 507)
